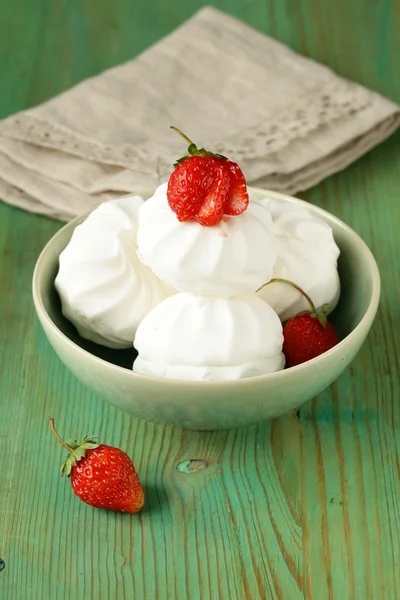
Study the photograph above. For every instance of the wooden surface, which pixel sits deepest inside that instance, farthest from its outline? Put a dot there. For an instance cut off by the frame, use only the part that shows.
(306, 506)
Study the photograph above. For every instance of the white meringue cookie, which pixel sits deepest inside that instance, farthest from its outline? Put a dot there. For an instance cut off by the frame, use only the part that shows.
(209, 339)
(104, 288)
(307, 255)
(234, 257)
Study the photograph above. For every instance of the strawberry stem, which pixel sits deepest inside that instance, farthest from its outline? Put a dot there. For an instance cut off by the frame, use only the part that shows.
(298, 288)
(59, 440)
(185, 137)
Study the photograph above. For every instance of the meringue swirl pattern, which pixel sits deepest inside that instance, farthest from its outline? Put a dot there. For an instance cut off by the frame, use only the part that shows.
(307, 254)
(105, 289)
(234, 257)
(201, 338)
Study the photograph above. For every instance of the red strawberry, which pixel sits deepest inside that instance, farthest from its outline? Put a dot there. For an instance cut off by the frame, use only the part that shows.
(308, 334)
(305, 337)
(101, 475)
(189, 184)
(213, 205)
(238, 199)
(205, 186)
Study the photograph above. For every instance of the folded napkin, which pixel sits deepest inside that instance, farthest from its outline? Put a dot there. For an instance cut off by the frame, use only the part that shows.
(288, 121)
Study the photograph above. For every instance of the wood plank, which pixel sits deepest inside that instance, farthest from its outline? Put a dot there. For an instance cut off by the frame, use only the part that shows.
(305, 506)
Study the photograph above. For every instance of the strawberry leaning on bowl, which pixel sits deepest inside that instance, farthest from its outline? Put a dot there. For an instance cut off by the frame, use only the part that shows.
(308, 334)
(206, 186)
(101, 476)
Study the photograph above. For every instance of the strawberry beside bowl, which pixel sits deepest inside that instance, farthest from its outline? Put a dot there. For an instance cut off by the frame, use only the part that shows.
(214, 405)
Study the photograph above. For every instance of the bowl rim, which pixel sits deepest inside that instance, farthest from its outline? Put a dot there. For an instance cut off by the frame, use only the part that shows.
(325, 215)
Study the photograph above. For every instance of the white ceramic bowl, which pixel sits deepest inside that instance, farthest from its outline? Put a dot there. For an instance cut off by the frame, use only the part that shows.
(214, 405)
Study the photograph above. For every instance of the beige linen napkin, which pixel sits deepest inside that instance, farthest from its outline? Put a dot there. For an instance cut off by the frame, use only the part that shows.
(289, 121)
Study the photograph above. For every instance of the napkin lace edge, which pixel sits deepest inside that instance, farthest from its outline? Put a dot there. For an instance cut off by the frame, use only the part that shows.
(337, 99)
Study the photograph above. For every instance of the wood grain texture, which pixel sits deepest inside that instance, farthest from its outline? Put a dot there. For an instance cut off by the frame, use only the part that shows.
(306, 506)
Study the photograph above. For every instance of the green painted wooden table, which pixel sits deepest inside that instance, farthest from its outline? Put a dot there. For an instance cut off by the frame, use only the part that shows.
(306, 506)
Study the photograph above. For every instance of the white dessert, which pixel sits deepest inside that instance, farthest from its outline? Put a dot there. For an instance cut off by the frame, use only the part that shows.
(209, 339)
(307, 255)
(105, 289)
(234, 257)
